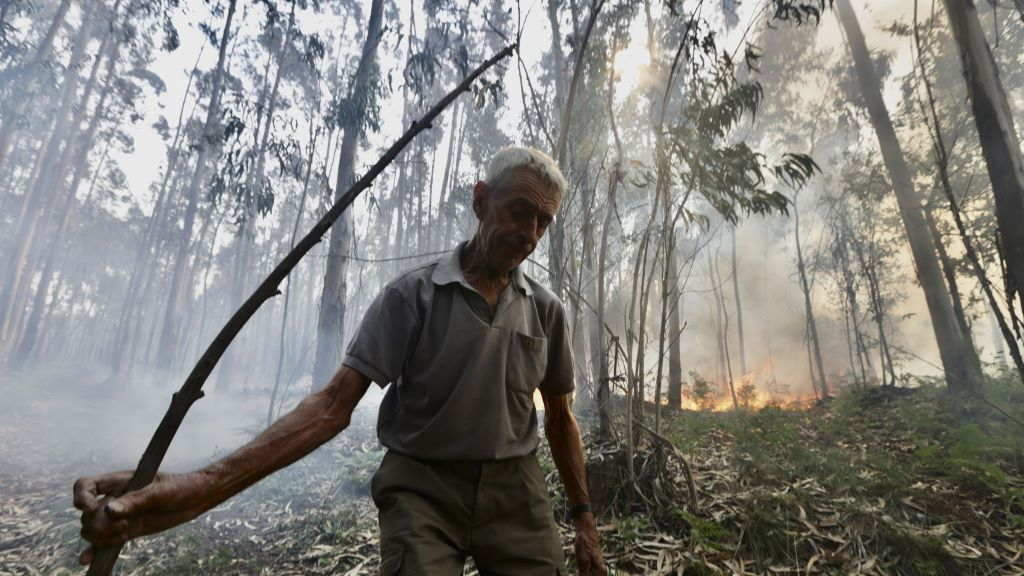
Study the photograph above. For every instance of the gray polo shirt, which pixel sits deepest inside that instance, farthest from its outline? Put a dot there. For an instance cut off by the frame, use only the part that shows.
(463, 380)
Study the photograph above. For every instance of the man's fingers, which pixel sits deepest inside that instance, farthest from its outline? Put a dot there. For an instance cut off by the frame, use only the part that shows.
(113, 483)
(84, 492)
(133, 503)
(87, 490)
(110, 534)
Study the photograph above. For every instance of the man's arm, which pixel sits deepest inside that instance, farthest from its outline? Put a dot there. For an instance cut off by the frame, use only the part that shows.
(318, 418)
(173, 499)
(563, 436)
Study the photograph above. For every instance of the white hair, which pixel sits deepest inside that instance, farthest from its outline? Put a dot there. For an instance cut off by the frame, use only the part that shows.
(512, 157)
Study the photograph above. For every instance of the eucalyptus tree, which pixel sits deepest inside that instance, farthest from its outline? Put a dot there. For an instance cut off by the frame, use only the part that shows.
(954, 349)
(21, 77)
(207, 150)
(353, 113)
(38, 194)
(947, 125)
(999, 141)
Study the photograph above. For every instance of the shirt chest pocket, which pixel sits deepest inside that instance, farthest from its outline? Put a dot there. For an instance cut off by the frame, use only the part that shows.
(527, 362)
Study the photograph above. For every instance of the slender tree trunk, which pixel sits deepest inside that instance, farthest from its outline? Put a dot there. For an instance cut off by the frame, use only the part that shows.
(82, 145)
(869, 269)
(208, 148)
(556, 236)
(452, 205)
(999, 143)
(718, 292)
(949, 272)
(739, 305)
(977, 266)
(14, 105)
(288, 292)
(842, 255)
(614, 177)
(814, 345)
(331, 322)
(124, 342)
(40, 194)
(953, 348)
(444, 198)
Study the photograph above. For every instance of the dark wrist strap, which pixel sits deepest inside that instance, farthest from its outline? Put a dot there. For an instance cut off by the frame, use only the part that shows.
(580, 509)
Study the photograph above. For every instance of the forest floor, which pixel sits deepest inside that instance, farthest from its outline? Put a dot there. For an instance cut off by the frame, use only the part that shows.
(880, 481)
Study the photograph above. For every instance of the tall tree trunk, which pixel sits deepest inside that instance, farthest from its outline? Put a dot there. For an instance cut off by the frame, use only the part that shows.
(452, 205)
(869, 269)
(842, 255)
(614, 177)
(246, 238)
(288, 293)
(208, 147)
(40, 193)
(718, 292)
(658, 104)
(124, 343)
(446, 203)
(953, 347)
(14, 106)
(739, 305)
(331, 322)
(81, 147)
(556, 236)
(942, 166)
(949, 272)
(814, 345)
(999, 143)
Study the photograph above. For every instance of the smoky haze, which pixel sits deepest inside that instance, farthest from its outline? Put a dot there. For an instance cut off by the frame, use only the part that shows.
(128, 236)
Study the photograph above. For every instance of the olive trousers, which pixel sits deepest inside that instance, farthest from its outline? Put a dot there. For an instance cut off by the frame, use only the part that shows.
(433, 515)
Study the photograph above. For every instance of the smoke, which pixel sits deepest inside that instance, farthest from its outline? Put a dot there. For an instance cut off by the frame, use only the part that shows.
(72, 420)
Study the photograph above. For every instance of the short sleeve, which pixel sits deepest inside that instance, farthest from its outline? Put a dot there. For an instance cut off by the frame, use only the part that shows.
(385, 338)
(559, 378)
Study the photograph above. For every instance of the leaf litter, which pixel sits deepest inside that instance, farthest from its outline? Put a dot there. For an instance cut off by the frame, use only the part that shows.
(830, 490)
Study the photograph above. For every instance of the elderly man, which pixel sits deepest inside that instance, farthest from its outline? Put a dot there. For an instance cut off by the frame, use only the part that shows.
(464, 342)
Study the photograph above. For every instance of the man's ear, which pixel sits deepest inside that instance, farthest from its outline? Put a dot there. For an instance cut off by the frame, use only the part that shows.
(480, 192)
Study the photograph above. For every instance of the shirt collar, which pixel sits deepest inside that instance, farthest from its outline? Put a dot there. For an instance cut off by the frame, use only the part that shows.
(449, 271)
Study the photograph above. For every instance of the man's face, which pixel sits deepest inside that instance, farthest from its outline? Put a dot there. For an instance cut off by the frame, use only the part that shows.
(513, 214)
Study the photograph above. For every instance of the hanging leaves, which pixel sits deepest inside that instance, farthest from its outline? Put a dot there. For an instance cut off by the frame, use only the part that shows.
(799, 11)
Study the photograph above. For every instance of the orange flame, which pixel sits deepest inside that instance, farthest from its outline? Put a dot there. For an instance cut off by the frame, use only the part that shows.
(754, 390)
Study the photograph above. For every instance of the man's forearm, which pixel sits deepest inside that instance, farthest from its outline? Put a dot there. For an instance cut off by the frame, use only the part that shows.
(317, 419)
(567, 451)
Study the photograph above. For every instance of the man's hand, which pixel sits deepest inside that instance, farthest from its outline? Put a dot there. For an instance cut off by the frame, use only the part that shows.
(567, 451)
(171, 499)
(589, 561)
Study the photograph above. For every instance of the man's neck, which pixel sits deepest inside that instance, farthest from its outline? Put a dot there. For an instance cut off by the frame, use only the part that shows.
(480, 273)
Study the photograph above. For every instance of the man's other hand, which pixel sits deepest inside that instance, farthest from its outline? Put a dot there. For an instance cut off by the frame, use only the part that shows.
(171, 499)
(589, 561)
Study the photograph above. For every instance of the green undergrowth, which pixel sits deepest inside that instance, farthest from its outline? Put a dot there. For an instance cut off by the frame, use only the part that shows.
(875, 441)
(909, 473)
